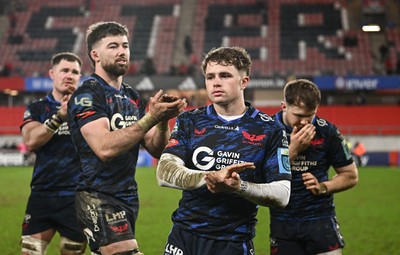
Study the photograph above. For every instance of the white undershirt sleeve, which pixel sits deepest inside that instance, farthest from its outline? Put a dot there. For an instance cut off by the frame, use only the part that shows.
(172, 173)
(275, 194)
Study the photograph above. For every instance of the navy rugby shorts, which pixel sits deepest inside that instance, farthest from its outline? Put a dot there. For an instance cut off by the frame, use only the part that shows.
(52, 212)
(184, 242)
(305, 237)
(105, 219)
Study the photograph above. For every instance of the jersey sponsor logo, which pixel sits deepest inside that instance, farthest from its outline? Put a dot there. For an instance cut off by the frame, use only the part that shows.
(322, 122)
(94, 217)
(301, 164)
(135, 102)
(199, 132)
(265, 117)
(283, 160)
(204, 158)
(120, 96)
(27, 114)
(171, 249)
(285, 142)
(86, 114)
(63, 129)
(172, 142)
(346, 149)
(119, 229)
(316, 142)
(252, 137)
(115, 217)
(118, 121)
(227, 127)
(27, 219)
(85, 100)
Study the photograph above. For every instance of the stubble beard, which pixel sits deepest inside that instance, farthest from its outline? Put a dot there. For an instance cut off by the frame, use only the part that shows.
(115, 69)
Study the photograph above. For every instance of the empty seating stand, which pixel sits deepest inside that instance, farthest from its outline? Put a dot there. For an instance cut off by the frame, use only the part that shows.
(286, 36)
(301, 37)
(50, 26)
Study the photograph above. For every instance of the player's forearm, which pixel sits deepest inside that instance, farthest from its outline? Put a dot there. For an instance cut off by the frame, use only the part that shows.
(274, 194)
(108, 145)
(154, 133)
(172, 173)
(341, 182)
(156, 139)
(35, 135)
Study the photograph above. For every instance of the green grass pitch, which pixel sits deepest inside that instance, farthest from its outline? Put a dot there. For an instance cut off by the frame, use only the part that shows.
(369, 214)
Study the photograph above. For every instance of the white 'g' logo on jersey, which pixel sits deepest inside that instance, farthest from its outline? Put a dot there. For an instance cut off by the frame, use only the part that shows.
(118, 121)
(207, 161)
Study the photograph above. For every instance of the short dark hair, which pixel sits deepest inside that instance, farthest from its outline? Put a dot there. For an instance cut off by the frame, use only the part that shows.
(236, 56)
(68, 56)
(302, 92)
(99, 30)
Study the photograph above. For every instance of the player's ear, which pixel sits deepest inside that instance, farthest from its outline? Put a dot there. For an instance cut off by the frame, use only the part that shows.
(244, 82)
(51, 74)
(94, 55)
(283, 106)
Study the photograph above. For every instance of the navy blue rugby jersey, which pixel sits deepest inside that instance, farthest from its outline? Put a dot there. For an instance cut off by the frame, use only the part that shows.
(96, 99)
(206, 142)
(57, 167)
(328, 148)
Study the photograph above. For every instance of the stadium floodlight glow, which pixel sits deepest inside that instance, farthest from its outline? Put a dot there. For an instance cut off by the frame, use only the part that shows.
(371, 28)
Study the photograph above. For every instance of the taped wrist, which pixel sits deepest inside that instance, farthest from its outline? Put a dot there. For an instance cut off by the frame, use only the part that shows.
(54, 122)
(147, 122)
(163, 126)
(172, 173)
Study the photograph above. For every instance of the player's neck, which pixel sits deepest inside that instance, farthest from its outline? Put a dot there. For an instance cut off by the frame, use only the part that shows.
(111, 80)
(57, 95)
(230, 110)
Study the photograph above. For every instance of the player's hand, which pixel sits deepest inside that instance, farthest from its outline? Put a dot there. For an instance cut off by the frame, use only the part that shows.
(168, 98)
(64, 103)
(227, 179)
(301, 139)
(70, 89)
(311, 183)
(165, 106)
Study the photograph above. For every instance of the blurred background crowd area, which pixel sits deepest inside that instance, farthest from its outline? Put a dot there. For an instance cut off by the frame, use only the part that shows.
(325, 41)
(286, 38)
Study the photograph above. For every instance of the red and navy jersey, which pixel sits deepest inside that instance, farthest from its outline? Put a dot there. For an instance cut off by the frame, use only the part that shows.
(206, 142)
(57, 167)
(328, 148)
(96, 99)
